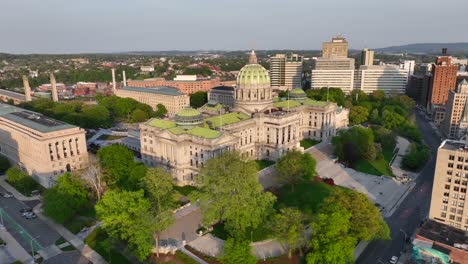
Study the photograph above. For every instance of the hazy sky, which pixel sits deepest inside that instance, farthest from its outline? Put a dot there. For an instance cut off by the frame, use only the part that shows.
(73, 26)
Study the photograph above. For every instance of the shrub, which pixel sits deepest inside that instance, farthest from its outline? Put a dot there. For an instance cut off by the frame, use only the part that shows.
(4, 164)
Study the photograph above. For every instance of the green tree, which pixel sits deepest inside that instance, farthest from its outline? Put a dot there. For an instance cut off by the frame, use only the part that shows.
(331, 243)
(198, 99)
(416, 157)
(374, 117)
(237, 251)
(354, 144)
(288, 227)
(162, 111)
(358, 115)
(139, 116)
(117, 163)
(230, 192)
(128, 216)
(377, 96)
(392, 120)
(295, 167)
(65, 198)
(406, 101)
(366, 222)
(160, 191)
(4, 164)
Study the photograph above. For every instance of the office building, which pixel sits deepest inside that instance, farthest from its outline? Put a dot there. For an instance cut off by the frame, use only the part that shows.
(337, 48)
(186, 84)
(367, 57)
(286, 71)
(448, 205)
(390, 79)
(173, 99)
(455, 123)
(414, 88)
(222, 95)
(259, 126)
(333, 64)
(408, 65)
(45, 148)
(343, 79)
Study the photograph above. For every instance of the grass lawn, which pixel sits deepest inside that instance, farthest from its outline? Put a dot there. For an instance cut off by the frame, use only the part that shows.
(376, 167)
(259, 234)
(100, 242)
(60, 241)
(307, 196)
(109, 137)
(307, 143)
(264, 163)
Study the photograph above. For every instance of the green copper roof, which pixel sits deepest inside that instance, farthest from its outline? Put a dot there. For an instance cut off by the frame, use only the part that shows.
(297, 91)
(188, 112)
(226, 119)
(287, 103)
(204, 132)
(163, 124)
(311, 102)
(253, 74)
(211, 108)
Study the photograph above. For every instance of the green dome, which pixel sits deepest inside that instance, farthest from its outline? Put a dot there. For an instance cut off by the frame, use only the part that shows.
(189, 117)
(253, 75)
(189, 111)
(297, 94)
(297, 91)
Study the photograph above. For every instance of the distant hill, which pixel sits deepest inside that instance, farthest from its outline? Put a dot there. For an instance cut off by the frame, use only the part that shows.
(427, 48)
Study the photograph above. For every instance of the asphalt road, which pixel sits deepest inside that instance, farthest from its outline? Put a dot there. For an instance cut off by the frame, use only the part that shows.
(412, 210)
(36, 228)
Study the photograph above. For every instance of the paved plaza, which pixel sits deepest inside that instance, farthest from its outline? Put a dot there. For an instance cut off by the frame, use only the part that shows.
(385, 191)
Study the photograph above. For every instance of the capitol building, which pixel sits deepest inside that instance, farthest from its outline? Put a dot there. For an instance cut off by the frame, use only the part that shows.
(259, 125)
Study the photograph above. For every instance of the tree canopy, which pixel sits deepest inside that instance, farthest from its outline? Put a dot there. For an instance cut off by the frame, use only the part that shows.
(65, 198)
(288, 227)
(230, 192)
(198, 99)
(294, 167)
(127, 216)
(358, 115)
(354, 144)
(237, 251)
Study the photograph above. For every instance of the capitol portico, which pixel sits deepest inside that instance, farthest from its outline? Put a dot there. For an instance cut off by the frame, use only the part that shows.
(259, 126)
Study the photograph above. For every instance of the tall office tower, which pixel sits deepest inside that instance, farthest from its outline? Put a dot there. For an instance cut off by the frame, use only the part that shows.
(53, 83)
(27, 89)
(448, 204)
(337, 48)
(367, 57)
(455, 123)
(286, 71)
(408, 65)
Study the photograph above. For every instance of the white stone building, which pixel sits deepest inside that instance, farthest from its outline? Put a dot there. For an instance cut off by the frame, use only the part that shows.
(259, 126)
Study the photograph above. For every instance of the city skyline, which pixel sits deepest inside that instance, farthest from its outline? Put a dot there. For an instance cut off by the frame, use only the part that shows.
(51, 26)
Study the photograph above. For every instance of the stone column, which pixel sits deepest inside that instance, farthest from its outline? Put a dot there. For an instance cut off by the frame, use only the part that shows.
(114, 87)
(54, 88)
(124, 78)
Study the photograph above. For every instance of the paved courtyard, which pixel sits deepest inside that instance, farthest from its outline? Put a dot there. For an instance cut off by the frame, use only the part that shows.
(385, 191)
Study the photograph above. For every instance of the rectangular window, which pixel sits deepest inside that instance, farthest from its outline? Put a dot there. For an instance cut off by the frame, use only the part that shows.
(451, 157)
(443, 215)
(460, 159)
(447, 187)
(450, 165)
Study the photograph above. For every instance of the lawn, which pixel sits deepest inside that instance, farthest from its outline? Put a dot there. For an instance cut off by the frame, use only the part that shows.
(376, 167)
(100, 242)
(109, 137)
(307, 196)
(259, 234)
(307, 143)
(264, 163)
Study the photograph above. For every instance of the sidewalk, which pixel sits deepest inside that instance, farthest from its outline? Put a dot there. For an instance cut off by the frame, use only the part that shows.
(13, 191)
(85, 250)
(14, 248)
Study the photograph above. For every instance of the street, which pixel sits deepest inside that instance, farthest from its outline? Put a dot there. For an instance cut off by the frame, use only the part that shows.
(412, 210)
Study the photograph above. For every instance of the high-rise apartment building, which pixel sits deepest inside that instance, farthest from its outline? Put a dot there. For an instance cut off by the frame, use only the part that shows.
(286, 71)
(333, 64)
(448, 205)
(455, 124)
(367, 57)
(443, 79)
(343, 79)
(337, 48)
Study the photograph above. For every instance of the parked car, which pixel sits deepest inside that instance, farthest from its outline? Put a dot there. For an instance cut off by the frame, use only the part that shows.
(25, 210)
(394, 260)
(7, 195)
(30, 215)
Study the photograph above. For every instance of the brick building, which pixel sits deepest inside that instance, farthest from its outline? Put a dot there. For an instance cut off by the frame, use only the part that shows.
(185, 86)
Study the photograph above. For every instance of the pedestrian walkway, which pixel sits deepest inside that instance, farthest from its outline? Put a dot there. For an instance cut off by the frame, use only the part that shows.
(85, 250)
(193, 256)
(13, 191)
(13, 248)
